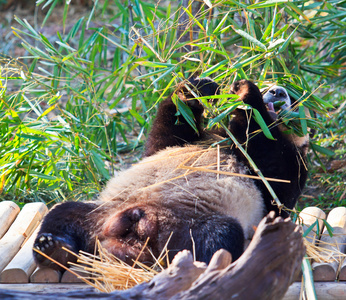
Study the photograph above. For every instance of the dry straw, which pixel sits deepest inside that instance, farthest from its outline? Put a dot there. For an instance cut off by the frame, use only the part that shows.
(107, 273)
(319, 253)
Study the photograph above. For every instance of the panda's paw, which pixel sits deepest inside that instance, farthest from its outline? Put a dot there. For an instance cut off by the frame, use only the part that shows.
(206, 86)
(248, 93)
(52, 247)
(47, 243)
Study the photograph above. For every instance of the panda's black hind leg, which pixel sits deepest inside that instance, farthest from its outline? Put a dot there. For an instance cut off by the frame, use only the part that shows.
(206, 234)
(215, 232)
(68, 225)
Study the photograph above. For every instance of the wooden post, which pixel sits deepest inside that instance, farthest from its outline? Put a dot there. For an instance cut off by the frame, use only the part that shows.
(324, 291)
(327, 271)
(68, 277)
(23, 226)
(342, 274)
(8, 212)
(307, 217)
(22, 265)
(45, 275)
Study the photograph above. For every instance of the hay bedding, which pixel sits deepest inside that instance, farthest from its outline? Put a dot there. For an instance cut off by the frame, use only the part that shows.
(267, 257)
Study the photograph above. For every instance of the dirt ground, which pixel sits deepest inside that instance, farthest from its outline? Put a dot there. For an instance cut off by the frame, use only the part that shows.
(10, 45)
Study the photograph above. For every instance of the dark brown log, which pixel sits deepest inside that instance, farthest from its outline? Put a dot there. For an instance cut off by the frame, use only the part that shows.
(264, 271)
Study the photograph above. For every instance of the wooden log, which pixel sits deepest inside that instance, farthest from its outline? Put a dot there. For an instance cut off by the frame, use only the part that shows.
(342, 274)
(68, 277)
(307, 217)
(27, 220)
(327, 271)
(8, 212)
(22, 265)
(264, 271)
(42, 288)
(324, 291)
(45, 275)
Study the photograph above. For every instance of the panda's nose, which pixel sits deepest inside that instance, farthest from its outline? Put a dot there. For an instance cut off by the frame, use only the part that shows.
(277, 92)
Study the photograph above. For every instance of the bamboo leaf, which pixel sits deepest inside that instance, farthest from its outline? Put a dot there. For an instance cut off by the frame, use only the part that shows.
(154, 64)
(250, 38)
(298, 11)
(268, 3)
(330, 229)
(286, 43)
(194, 19)
(218, 27)
(309, 229)
(185, 111)
(302, 119)
(262, 124)
(322, 150)
(99, 164)
(214, 69)
(42, 175)
(225, 113)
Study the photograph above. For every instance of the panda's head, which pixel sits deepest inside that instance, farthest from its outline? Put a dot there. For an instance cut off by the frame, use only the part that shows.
(276, 98)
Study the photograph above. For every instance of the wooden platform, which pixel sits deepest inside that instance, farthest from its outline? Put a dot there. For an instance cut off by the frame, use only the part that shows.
(18, 229)
(18, 271)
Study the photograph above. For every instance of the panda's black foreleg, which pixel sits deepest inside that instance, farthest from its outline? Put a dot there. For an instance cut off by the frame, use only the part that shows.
(171, 130)
(66, 225)
(276, 158)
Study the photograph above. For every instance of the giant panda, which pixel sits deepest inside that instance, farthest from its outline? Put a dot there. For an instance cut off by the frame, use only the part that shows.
(179, 196)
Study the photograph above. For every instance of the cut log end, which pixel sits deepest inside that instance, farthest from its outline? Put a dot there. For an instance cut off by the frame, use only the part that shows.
(45, 275)
(324, 271)
(14, 276)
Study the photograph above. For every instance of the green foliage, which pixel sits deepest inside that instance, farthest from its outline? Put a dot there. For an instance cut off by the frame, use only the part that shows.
(89, 94)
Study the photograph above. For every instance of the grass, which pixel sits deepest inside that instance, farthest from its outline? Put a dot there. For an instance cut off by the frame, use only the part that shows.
(80, 100)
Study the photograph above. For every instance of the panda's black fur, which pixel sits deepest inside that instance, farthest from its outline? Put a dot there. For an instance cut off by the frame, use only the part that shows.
(165, 198)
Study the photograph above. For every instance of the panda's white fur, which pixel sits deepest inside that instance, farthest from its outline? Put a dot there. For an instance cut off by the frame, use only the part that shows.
(164, 177)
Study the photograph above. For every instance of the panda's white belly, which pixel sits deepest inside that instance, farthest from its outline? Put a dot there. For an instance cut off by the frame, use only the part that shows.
(188, 175)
